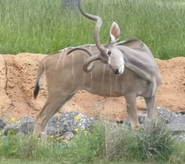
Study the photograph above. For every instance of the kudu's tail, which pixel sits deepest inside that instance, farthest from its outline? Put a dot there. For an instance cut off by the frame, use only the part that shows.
(38, 80)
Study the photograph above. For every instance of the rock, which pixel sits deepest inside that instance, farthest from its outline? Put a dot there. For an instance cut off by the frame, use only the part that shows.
(180, 137)
(22, 126)
(2, 124)
(68, 124)
(51, 131)
(53, 126)
(72, 121)
(176, 128)
(142, 118)
(165, 114)
(175, 121)
(68, 136)
(178, 119)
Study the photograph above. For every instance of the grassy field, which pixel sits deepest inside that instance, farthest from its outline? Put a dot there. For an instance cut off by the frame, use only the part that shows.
(44, 26)
(17, 161)
(108, 143)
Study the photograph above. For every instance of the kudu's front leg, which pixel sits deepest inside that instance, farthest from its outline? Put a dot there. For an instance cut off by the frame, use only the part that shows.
(132, 110)
(151, 109)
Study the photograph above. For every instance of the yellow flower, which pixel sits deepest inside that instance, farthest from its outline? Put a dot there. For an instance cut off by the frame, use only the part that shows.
(77, 117)
(39, 138)
(59, 138)
(51, 136)
(19, 122)
(10, 120)
(42, 133)
(65, 141)
(85, 131)
(76, 130)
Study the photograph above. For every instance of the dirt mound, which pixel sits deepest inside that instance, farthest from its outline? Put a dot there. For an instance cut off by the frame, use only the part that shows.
(17, 78)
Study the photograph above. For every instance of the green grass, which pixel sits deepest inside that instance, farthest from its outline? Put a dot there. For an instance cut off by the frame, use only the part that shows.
(43, 26)
(108, 143)
(18, 161)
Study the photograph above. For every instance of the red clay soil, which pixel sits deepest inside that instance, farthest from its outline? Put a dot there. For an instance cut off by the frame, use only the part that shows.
(17, 78)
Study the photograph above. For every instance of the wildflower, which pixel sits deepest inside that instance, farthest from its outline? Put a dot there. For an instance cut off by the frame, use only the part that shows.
(59, 138)
(19, 122)
(85, 131)
(42, 133)
(65, 141)
(77, 117)
(12, 119)
(39, 138)
(51, 136)
(76, 129)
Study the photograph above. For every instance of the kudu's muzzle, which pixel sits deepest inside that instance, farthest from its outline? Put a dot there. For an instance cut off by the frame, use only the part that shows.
(117, 71)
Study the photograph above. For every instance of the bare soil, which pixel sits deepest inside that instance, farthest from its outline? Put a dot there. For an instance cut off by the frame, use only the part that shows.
(17, 79)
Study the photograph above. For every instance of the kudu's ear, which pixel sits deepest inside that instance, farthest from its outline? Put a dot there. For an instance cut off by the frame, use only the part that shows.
(114, 32)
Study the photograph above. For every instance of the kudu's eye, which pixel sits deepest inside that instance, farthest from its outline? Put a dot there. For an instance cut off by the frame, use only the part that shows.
(109, 52)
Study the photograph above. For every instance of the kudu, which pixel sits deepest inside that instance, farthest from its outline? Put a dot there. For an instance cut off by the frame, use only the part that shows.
(127, 69)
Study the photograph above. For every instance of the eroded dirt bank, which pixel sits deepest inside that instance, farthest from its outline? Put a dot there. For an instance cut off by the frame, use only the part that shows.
(17, 78)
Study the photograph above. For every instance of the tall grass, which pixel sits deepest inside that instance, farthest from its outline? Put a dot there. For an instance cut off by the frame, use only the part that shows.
(85, 147)
(108, 142)
(44, 26)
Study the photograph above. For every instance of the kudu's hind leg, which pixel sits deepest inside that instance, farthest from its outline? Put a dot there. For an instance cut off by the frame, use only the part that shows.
(132, 110)
(150, 104)
(52, 105)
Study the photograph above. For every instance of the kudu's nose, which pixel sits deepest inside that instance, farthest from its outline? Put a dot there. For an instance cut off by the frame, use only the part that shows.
(117, 71)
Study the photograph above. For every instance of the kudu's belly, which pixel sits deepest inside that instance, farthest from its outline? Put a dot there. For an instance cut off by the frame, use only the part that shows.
(105, 84)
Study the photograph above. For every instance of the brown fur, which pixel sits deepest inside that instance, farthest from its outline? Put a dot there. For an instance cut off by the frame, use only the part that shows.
(65, 77)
